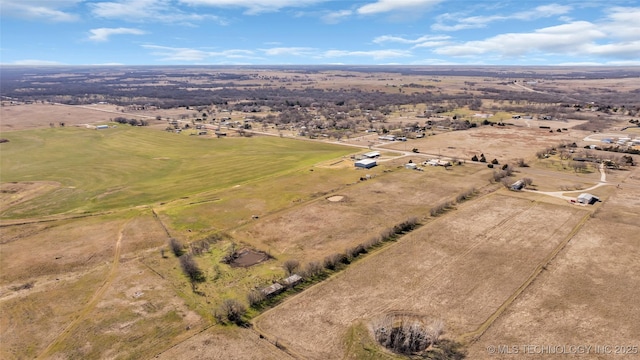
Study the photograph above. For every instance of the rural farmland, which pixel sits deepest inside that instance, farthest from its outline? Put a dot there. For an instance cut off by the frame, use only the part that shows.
(223, 216)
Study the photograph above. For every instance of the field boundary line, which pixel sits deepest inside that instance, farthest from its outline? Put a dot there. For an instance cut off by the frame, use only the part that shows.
(475, 335)
(59, 217)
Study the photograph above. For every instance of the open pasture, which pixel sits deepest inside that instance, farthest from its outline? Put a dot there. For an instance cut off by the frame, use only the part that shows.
(459, 268)
(129, 166)
(79, 199)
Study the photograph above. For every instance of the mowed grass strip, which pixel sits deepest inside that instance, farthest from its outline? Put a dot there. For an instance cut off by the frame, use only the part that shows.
(127, 166)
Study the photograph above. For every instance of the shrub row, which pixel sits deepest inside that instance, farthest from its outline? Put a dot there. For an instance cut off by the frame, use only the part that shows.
(448, 205)
(316, 270)
(462, 197)
(501, 174)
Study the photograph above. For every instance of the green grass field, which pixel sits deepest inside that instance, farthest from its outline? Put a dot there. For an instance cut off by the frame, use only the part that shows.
(123, 167)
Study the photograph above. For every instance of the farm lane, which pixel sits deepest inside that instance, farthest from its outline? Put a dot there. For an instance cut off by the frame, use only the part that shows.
(104, 110)
(560, 194)
(97, 296)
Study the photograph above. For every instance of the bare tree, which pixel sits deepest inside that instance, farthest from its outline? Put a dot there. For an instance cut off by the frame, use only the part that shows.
(176, 247)
(434, 331)
(255, 297)
(578, 166)
(290, 266)
(233, 310)
(192, 270)
(312, 269)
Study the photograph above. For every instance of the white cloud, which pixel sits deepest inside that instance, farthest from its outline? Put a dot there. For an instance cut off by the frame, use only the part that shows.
(103, 34)
(289, 51)
(375, 54)
(623, 23)
(624, 63)
(32, 62)
(434, 62)
(616, 36)
(624, 50)
(474, 22)
(40, 9)
(431, 44)
(390, 38)
(168, 53)
(336, 16)
(254, 6)
(383, 6)
(110, 64)
(148, 10)
(567, 38)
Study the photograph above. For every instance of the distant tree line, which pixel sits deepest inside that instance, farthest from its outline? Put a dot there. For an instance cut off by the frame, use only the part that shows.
(132, 122)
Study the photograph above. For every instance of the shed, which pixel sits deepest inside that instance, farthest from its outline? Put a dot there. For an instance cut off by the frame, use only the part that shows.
(518, 185)
(292, 280)
(365, 163)
(387, 137)
(411, 166)
(372, 154)
(587, 198)
(272, 290)
(100, 127)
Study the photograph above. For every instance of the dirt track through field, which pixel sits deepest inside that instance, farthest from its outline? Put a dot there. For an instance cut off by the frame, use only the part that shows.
(97, 296)
(499, 228)
(464, 271)
(474, 335)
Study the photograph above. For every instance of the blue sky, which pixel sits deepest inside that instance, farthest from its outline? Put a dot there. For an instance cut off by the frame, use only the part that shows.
(353, 32)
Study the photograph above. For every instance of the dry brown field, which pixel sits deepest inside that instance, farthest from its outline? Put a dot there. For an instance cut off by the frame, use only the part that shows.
(495, 142)
(85, 274)
(459, 268)
(33, 116)
(319, 228)
(225, 344)
(503, 268)
(587, 296)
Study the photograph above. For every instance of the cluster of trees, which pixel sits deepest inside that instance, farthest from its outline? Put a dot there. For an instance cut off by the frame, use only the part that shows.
(187, 263)
(481, 159)
(231, 310)
(132, 122)
(621, 149)
(406, 335)
(504, 172)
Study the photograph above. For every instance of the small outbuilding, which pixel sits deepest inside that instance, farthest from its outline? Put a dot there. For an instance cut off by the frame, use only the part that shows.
(518, 185)
(437, 162)
(372, 154)
(365, 163)
(411, 166)
(102, 127)
(272, 290)
(292, 280)
(587, 199)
